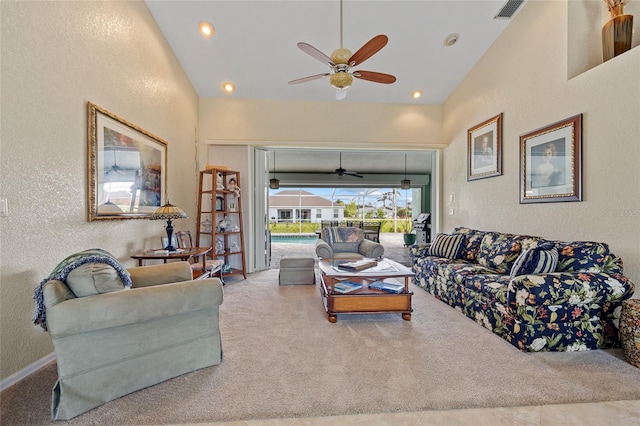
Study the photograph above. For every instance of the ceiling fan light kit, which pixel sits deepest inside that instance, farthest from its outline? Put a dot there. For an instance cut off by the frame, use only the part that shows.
(341, 80)
(405, 183)
(341, 56)
(274, 183)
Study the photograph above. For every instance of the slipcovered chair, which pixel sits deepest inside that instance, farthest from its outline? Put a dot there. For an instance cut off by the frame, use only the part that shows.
(111, 340)
(346, 242)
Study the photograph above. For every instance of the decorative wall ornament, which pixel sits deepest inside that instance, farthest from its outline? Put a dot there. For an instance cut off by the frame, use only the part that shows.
(617, 32)
(484, 149)
(551, 163)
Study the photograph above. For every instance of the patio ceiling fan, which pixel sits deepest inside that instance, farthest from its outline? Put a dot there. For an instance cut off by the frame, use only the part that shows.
(341, 172)
(342, 61)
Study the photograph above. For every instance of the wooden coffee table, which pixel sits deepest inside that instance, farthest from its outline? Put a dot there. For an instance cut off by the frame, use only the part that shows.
(365, 300)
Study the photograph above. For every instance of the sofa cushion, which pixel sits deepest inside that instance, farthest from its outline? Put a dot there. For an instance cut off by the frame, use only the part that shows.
(471, 243)
(346, 247)
(536, 260)
(582, 256)
(93, 278)
(445, 245)
(492, 287)
(499, 251)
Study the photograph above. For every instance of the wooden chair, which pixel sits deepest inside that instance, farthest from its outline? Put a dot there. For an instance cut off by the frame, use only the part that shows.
(372, 231)
(183, 238)
(214, 266)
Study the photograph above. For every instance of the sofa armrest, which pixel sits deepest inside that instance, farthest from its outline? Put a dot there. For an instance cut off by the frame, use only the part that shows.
(323, 250)
(132, 306)
(419, 250)
(371, 249)
(164, 273)
(562, 288)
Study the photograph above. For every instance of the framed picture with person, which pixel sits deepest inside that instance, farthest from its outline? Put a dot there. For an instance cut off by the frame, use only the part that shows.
(551, 163)
(484, 149)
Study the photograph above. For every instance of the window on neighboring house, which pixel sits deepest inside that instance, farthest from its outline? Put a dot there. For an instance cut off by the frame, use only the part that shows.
(318, 213)
(335, 214)
(284, 214)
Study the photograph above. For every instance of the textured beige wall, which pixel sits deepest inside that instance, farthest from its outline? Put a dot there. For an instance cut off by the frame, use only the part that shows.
(524, 75)
(56, 56)
(330, 123)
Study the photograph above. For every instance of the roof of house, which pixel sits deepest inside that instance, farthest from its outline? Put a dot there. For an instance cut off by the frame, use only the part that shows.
(295, 198)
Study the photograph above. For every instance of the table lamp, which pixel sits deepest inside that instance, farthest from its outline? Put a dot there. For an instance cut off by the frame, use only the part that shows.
(169, 212)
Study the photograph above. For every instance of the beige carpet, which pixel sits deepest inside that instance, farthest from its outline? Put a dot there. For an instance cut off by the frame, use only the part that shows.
(282, 358)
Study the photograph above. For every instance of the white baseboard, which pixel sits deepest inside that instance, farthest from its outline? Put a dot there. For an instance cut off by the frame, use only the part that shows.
(30, 369)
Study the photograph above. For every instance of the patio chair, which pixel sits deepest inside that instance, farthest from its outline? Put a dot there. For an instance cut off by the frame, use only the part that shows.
(346, 242)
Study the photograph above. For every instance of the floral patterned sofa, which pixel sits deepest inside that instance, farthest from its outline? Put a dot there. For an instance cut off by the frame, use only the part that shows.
(566, 298)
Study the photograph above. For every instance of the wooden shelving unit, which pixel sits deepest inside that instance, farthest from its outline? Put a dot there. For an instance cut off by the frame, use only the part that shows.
(219, 222)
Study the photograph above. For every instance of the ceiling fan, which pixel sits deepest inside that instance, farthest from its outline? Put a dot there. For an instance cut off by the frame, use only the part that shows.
(342, 61)
(341, 172)
(115, 168)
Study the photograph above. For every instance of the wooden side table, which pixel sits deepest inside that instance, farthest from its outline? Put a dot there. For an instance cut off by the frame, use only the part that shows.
(183, 254)
(630, 331)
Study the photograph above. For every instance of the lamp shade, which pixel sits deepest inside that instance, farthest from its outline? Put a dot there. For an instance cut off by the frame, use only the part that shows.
(168, 211)
(274, 183)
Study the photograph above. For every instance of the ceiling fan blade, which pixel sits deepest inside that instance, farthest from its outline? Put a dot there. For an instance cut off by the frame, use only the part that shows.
(312, 51)
(368, 50)
(309, 78)
(376, 77)
(353, 174)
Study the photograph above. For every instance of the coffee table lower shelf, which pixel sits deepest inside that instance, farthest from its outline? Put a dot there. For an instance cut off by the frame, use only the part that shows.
(366, 302)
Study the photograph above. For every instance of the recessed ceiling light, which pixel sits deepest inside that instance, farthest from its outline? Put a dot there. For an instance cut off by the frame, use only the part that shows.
(451, 39)
(416, 94)
(206, 29)
(228, 87)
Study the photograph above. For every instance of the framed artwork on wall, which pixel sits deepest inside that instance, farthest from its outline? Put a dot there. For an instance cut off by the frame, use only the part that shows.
(484, 149)
(551, 163)
(127, 168)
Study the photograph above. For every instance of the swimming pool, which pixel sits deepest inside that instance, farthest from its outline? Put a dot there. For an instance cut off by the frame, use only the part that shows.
(293, 239)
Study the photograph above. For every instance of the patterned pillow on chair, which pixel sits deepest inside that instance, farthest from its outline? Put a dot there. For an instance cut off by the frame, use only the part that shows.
(444, 245)
(343, 239)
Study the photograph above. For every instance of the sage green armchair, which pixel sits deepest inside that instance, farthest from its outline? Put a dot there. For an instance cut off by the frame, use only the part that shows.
(112, 343)
(340, 242)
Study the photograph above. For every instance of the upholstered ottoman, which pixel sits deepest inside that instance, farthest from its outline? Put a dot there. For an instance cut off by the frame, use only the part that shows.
(630, 331)
(297, 270)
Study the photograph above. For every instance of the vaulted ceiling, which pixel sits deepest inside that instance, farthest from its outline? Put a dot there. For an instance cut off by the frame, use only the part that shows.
(254, 45)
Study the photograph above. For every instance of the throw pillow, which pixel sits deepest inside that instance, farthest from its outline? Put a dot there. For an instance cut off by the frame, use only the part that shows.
(537, 260)
(446, 245)
(93, 278)
(341, 235)
(499, 251)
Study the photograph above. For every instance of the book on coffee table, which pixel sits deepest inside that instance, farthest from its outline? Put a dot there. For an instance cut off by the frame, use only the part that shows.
(359, 265)
(387, 286)
(345, 287)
